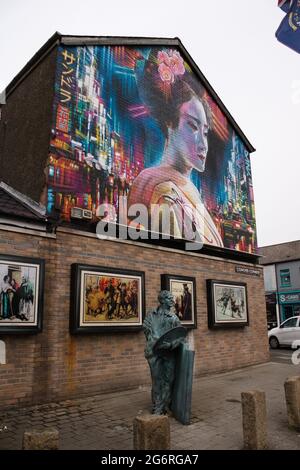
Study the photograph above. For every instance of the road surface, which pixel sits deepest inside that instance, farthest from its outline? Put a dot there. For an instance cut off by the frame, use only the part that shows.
(284, 356)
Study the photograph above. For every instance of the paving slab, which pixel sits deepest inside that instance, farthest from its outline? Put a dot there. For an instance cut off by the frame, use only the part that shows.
(104, 422)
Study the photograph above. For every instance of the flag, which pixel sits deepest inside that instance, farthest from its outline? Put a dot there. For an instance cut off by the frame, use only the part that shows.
(285, 5)
(288, 32)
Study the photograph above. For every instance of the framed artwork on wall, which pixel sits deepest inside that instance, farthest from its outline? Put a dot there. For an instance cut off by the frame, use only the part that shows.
(21, 294)
(183, 289)
(106, 299)
(227, 304)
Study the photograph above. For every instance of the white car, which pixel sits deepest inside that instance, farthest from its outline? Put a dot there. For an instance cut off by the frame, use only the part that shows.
(287, 334)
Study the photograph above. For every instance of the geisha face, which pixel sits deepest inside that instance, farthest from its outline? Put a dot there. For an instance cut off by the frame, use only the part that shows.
(189, 140)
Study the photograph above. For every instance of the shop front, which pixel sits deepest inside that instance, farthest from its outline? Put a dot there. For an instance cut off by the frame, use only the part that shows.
(289, 304)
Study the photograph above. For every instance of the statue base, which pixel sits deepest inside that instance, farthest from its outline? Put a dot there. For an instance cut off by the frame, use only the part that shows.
(182, 391)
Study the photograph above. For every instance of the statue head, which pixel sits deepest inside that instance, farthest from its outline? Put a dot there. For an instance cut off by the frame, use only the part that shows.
(166, 300)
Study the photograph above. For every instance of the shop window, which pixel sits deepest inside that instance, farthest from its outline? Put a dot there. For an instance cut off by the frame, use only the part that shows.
(285, 278)
(287, 312)
(297, 310)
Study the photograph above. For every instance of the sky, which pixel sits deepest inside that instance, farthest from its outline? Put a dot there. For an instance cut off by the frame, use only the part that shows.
(233, 43)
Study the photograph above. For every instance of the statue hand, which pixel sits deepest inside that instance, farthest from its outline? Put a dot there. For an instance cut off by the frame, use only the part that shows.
(176, 343)
(165, 345)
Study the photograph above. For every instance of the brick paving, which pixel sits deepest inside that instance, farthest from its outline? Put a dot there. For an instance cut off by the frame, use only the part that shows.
(104, 422)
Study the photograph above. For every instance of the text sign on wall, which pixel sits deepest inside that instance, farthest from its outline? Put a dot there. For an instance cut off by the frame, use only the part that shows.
(289, 298)
(248, 271)
(2, 353)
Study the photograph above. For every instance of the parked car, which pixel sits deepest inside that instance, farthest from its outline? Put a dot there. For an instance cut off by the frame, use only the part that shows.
(287, 334)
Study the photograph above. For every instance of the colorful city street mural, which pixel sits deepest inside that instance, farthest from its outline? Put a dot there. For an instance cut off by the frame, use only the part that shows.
(137, 122)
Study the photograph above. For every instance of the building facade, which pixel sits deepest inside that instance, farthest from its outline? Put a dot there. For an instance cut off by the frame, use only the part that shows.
(282, 280)
(88, 124)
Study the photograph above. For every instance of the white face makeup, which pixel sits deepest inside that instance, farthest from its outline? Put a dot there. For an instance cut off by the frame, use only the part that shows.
(189, 140)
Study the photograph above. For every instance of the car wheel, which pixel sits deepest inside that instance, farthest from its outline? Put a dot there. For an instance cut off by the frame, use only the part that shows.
(274, 343)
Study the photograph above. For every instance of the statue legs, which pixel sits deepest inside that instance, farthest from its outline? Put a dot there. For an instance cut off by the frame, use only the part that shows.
(163, 375)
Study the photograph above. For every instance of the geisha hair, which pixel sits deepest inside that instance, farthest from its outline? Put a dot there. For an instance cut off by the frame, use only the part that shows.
(165, 100)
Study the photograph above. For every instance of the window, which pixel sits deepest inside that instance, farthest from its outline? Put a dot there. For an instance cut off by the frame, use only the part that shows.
(51, 170)
(285, 278)
(292, 323)
(287, 312)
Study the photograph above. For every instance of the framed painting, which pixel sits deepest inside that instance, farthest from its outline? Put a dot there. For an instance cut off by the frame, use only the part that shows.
(21, 294)
(183, 289)
(227, 304)
(106, 299)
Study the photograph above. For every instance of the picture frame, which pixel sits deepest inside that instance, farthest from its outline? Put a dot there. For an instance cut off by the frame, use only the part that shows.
(21, 294)
(227, 304)
(183, 289)
(106, 299)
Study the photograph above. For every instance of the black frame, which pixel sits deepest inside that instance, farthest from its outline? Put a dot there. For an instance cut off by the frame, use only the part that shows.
(165, 285)
(24, 328)
(75, 305)
(211, 307)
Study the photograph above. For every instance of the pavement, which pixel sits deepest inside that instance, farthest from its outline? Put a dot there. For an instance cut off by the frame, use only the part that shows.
(104, 422)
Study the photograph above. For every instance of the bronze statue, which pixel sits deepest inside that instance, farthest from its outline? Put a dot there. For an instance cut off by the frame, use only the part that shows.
(164, 334)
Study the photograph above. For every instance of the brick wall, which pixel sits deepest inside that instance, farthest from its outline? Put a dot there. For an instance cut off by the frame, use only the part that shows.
(25, 128)
(54, 365)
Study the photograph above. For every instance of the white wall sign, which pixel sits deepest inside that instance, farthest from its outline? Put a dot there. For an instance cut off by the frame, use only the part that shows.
(2, 353)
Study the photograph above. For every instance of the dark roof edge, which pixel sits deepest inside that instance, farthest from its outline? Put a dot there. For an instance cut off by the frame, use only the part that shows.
(31, 205)
(278, 244)
(70, 40)
(280, 261)
(33, 62)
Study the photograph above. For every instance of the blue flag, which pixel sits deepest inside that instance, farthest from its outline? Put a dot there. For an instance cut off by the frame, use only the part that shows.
(288, 32)
(285, 5)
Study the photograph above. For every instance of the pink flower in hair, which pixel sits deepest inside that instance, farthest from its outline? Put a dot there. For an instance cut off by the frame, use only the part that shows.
(176, 63)
(165, 73)
(163, 57)
(170, 65)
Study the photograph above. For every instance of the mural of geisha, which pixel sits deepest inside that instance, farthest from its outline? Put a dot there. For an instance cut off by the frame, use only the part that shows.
(140, 124)
(176, 101)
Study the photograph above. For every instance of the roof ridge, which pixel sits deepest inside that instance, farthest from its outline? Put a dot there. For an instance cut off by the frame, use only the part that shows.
(35, 207)
(278, 244)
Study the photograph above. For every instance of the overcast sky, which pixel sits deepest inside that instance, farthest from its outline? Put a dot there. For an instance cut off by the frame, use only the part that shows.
(232, 41)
